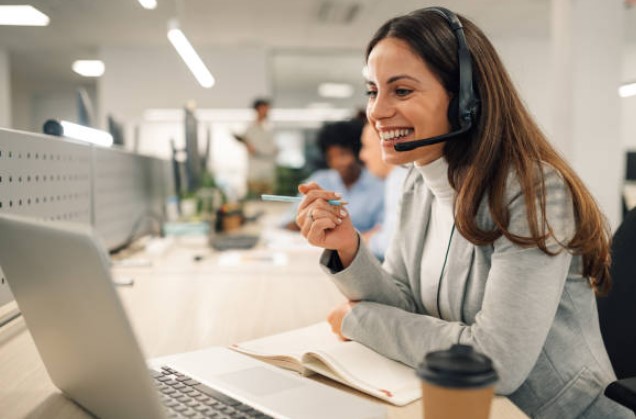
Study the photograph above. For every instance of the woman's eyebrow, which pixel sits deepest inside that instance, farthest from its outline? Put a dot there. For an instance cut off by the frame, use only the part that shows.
(400, 77)
(393, 79)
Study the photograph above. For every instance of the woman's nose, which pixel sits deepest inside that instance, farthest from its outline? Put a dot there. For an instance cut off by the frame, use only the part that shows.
(379, 108)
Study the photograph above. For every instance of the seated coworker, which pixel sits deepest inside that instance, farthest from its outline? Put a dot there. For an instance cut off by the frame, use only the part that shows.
(499, 244)
(340, 145)
(379, 237)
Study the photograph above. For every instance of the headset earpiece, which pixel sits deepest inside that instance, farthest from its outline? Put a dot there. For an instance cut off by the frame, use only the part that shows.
(453, 113)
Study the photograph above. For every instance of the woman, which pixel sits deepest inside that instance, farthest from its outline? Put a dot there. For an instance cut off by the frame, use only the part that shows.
(499, 244)
(340, 145)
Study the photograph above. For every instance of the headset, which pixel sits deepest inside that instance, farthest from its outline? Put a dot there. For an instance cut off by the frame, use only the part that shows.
(463, 109)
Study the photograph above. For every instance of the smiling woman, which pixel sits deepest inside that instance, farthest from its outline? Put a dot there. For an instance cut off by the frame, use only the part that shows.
(406, 101)
(499, 244)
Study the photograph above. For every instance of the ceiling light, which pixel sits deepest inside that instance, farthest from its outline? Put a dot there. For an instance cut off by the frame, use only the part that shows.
(189, 55)
(148, 4)
(627, 90)
(78, 132)
(89, 68)
(337, 90)
(22, 16)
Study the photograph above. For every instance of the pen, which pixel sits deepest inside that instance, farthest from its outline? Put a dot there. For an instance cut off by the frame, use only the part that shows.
(283, 198)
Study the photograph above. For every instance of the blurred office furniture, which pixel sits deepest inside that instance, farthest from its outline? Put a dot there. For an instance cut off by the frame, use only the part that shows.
(116, 130)
(58, 179)
(193, 163)
(629, 187)
(85, 108)
(617, 313)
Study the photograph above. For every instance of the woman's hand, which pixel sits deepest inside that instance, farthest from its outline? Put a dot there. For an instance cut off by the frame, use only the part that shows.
(325, 225)
(336, 317)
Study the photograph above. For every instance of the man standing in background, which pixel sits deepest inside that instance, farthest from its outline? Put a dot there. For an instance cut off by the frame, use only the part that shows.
(262, 150)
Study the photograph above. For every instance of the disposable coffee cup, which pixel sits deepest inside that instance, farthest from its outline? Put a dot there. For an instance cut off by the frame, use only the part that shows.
(457, 383)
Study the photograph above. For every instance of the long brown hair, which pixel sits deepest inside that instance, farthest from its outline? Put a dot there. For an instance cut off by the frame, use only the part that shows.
(505, 139)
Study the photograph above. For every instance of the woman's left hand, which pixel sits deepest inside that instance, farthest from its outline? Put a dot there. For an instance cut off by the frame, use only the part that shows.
(336, 317)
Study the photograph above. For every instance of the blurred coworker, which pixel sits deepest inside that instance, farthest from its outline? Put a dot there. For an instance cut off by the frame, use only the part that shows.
(259, 141)
(380, 236)
(340, 145)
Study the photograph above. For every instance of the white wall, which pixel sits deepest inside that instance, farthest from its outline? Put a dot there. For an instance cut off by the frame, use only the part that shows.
(528, 62)
(140, 79)
(5, 90)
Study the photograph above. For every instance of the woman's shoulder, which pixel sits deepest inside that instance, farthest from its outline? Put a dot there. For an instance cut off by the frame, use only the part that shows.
(322, 175)
(555, 192)
(541, 174)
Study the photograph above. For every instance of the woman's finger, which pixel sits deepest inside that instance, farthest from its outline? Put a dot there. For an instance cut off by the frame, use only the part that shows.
(334, 214)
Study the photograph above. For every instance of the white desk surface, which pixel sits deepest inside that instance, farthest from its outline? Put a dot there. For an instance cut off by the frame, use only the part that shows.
(178, 304)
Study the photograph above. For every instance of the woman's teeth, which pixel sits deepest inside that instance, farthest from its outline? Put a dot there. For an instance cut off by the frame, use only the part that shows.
(395, 134)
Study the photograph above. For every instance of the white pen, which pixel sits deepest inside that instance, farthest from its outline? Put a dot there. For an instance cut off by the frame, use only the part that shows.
(284, 198)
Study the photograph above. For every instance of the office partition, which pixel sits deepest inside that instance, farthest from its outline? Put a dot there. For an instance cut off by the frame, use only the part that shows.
(120, 194)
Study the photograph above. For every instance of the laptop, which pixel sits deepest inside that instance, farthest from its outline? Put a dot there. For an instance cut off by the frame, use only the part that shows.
(60, 277)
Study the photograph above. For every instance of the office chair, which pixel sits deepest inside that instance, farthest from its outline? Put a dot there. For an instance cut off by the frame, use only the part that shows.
(617, 313)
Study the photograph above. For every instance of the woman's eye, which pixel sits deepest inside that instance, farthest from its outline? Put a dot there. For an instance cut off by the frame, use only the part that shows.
(371, 93)
(402, 92)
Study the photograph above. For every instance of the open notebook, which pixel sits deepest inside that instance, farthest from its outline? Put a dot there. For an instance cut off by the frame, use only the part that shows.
(315, 349)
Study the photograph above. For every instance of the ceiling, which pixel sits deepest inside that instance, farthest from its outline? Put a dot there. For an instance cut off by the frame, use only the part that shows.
(305, 37)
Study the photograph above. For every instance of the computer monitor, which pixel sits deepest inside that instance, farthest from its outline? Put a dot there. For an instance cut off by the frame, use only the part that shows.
(193, 160)
(116, 130)
(85, 113)
(630, 169)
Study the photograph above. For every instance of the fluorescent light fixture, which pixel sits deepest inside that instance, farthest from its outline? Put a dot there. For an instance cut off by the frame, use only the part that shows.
(627, 90)
(189, 55)
(78, 132)
(89, 68)
(23, 15)
(148, 4)
(335, 90)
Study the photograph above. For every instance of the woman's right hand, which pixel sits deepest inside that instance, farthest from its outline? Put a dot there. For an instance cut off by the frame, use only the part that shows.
(325, 225)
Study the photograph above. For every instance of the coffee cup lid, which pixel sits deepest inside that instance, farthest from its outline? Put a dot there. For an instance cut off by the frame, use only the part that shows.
(458, 366)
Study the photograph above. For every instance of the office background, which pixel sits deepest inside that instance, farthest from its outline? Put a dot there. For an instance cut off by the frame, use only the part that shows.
(566, 57)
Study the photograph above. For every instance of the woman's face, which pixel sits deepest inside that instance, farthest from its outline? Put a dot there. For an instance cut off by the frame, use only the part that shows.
(343, 160)
(406, 102)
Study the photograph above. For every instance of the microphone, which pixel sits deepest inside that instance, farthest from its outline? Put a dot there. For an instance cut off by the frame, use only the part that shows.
(412, 145)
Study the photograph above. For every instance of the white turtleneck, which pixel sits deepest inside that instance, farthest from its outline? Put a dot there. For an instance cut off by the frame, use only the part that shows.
(438, 232)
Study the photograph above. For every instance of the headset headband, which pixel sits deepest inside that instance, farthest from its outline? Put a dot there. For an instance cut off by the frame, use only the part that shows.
(466, 100)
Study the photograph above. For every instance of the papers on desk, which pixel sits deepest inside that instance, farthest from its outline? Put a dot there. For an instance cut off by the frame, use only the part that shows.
(316, 350)
(253, 258)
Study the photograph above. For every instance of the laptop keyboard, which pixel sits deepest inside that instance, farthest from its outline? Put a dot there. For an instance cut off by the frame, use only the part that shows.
(188, 398)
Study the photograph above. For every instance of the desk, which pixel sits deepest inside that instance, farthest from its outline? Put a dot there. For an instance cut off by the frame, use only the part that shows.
(178, 304)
